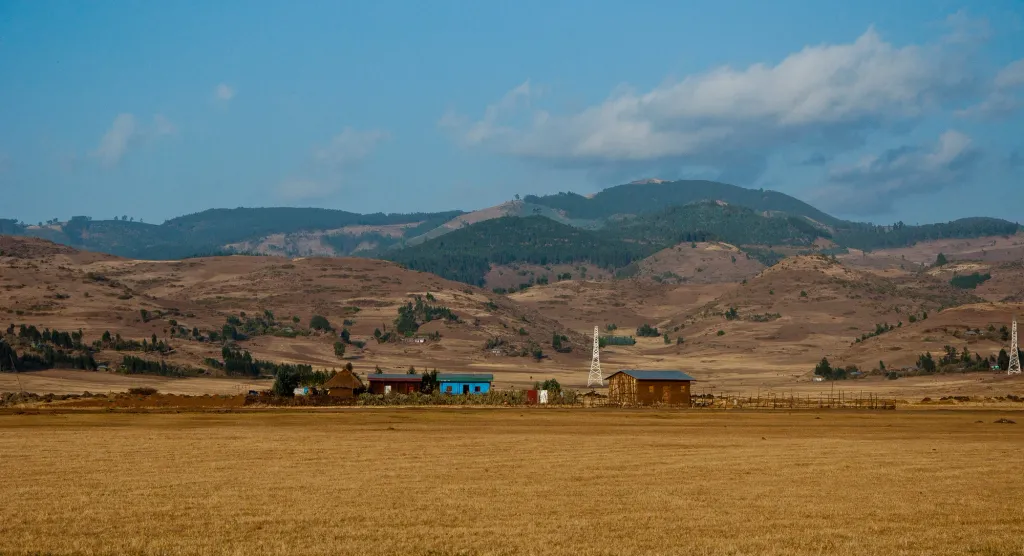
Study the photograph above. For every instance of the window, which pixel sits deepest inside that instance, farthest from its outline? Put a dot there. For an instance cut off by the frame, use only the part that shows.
(650, 389)
(476, 388)
(448, 388)
(682, 388)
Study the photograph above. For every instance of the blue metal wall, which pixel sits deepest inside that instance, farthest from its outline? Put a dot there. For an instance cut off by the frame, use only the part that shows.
(458, 387)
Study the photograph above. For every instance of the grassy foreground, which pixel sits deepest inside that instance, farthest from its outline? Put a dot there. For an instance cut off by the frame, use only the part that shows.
(486, 481)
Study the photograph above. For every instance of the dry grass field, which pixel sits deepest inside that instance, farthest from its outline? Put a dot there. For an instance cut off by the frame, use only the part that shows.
(513, 482)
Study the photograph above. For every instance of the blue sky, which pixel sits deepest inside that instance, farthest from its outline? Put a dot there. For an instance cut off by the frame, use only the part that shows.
(871, 110)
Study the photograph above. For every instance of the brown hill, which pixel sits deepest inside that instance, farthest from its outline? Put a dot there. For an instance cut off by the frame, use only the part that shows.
(699, 263)
(991, 249)
(975, 326)
(53, 289)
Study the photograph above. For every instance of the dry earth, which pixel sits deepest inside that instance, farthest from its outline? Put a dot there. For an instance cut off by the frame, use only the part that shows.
(54, 286)
(510, 482)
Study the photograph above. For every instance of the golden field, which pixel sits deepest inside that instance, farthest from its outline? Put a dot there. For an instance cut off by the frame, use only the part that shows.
(510, 481)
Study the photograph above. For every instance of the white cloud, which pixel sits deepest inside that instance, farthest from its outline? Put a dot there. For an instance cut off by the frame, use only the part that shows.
(823, 95)
(224, 92)
(163, 126)
(1011, 76)
(474, 133)
(964, 29)
(331, 164)
(116, 140)
(871, 185)
(349, 146)
(1004, 96)
(125, 132)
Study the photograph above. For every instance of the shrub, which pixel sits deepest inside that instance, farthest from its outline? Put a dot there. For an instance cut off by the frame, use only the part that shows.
(142, 391)
(320, 323)
(721, 332)
(647, 331)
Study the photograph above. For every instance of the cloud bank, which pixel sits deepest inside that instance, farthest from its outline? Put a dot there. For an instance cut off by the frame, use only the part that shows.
(821, 101)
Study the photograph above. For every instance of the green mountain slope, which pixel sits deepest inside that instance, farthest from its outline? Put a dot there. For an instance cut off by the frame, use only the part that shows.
(868, 237)
(466, 254)
(640, 198)
(713, 221)
(210, 231)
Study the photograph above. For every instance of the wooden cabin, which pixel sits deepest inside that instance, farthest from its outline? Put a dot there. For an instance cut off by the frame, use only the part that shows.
(637, 387)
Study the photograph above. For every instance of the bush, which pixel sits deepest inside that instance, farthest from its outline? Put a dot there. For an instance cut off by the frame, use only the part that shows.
(142, 391)
(970, 281)
(647, 331)
(320, 323)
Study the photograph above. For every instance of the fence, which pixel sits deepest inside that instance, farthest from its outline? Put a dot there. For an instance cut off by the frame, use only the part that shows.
(789, 400)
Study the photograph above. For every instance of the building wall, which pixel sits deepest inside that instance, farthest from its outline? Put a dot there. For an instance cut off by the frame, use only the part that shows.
(397, 387)
(460, 387)
(625, 389)
(342, 393)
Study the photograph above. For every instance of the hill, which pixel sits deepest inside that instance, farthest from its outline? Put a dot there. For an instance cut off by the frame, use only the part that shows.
(282, 230)
(467, 254)
(654, 195)
(717, 220)
(265, 305)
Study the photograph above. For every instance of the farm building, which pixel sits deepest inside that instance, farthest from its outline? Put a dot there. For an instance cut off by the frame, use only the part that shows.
(649, 387)
(342, 385)
(384, 383)
(464, 383)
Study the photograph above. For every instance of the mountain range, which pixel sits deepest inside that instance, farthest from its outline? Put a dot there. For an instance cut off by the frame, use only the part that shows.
(612, 230)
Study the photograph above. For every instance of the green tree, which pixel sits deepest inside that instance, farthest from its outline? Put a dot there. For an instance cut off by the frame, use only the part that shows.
(285, 382)
(940, 260)
(319, 322)
(823, 369)
(339, 349)
(1003, 360)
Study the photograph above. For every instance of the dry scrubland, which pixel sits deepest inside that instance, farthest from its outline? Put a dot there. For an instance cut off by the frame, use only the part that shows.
(513, 482)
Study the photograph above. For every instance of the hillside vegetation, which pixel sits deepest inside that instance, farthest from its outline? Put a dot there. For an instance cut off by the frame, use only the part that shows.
(639, 198)
(649, 216)
(466, 255)
(211, 231)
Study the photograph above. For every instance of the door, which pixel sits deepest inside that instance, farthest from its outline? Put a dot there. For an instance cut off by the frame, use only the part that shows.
(465, 388)
(387, 388)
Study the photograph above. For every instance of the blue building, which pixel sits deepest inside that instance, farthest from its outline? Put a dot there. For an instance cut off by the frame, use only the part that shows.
(464, 383)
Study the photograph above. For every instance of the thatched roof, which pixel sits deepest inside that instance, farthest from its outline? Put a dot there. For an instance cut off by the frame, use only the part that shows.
(344, 379)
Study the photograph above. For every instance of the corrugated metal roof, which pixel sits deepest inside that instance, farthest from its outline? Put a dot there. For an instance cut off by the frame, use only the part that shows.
(394, 377)
(655, 375)
(467, 377)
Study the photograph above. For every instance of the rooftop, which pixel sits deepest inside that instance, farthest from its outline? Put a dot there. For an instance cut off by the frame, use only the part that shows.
(655, 375)
(394, 377)
(465, 377)
(343, 379)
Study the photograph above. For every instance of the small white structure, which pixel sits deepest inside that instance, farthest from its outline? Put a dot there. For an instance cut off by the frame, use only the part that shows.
(542, 396)
(301, 391)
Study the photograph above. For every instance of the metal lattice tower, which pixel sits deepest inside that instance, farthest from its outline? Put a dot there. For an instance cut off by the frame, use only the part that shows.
(1014, 368)
(595, 378)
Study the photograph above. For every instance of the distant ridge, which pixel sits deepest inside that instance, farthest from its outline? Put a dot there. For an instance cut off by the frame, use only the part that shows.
(653, 194)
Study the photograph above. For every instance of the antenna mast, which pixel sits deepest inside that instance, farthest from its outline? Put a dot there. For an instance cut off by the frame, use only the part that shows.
(595, 378)
(1014, 368)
